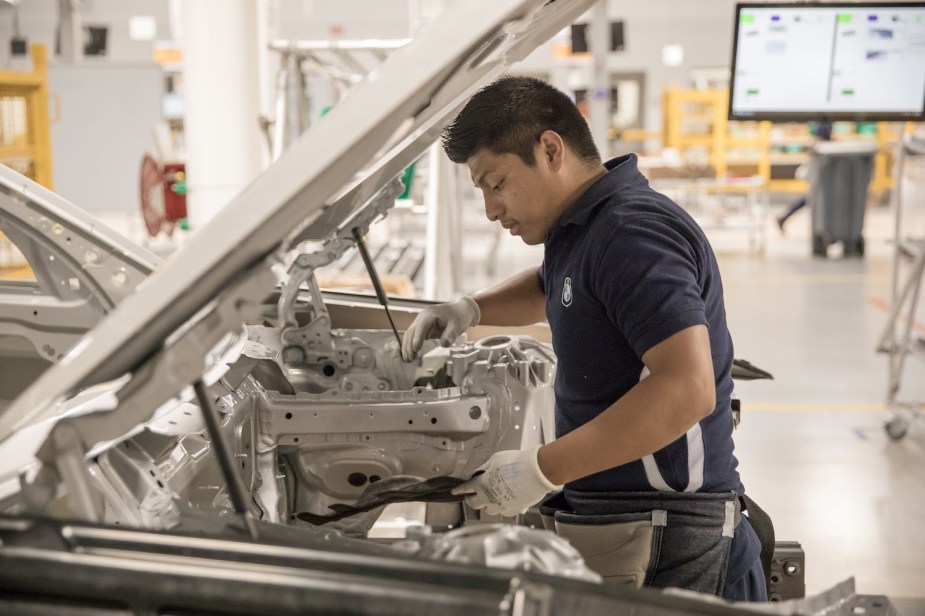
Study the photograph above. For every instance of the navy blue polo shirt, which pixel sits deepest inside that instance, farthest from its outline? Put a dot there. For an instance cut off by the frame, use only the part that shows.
(626, 268)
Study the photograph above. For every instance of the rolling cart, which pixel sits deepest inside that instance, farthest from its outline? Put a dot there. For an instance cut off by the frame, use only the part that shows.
(898, 339)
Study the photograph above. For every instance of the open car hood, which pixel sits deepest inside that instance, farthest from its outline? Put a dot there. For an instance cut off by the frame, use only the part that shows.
(203, 294)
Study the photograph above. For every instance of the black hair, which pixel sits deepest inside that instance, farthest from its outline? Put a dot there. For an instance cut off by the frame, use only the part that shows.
(509, 115)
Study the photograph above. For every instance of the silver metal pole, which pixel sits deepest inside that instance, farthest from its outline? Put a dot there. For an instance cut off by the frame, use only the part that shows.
(895, 353)
(70, 23)
(599, 92)
(896, 204)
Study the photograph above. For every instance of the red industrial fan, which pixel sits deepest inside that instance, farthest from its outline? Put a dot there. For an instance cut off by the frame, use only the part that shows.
(163, 195)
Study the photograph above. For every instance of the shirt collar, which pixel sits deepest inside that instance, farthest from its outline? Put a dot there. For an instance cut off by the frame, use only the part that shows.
(621, 172)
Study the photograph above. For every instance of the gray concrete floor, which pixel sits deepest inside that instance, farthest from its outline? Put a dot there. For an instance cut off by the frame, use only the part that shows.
(811, 446)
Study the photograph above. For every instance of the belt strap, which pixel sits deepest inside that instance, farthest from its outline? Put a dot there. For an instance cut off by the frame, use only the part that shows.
(764, 528)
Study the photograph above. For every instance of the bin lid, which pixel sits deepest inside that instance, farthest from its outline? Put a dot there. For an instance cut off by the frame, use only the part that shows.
(831, 148)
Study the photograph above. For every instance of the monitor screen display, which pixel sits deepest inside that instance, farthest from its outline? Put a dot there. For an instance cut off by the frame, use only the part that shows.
(833, 61)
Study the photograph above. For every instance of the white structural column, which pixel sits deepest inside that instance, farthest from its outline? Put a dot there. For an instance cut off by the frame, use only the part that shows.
(443, 253)
(599, 92)
(222, 102)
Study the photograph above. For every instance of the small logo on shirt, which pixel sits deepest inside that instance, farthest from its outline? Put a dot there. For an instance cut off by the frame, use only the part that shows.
(567, 293)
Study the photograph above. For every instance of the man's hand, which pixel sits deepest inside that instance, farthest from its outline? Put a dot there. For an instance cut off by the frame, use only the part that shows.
(444, 321)
(511, 482)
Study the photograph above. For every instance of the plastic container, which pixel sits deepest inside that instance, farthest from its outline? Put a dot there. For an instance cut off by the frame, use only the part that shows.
(839, 175)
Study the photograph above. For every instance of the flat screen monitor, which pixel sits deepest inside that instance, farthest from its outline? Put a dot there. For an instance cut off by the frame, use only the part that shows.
(832, 61)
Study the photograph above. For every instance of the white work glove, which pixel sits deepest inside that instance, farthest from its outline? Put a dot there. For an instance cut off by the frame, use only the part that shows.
(511, 482)
(444, 321)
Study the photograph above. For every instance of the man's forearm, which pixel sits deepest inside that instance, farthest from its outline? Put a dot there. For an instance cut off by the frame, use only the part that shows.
(653, 414)
(519, 300)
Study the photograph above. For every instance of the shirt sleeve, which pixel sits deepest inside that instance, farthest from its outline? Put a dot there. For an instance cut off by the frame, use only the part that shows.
(648, 283)
(541, 276)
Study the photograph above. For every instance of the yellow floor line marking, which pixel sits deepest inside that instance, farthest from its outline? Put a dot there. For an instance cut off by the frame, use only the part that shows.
(874, 407)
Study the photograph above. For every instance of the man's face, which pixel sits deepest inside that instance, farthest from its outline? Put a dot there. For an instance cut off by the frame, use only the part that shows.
(516, 195)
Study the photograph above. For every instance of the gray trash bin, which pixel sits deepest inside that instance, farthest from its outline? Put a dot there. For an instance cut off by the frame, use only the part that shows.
(839, 174)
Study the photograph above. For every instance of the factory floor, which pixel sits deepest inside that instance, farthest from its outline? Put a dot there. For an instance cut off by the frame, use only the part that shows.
(811, 445)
